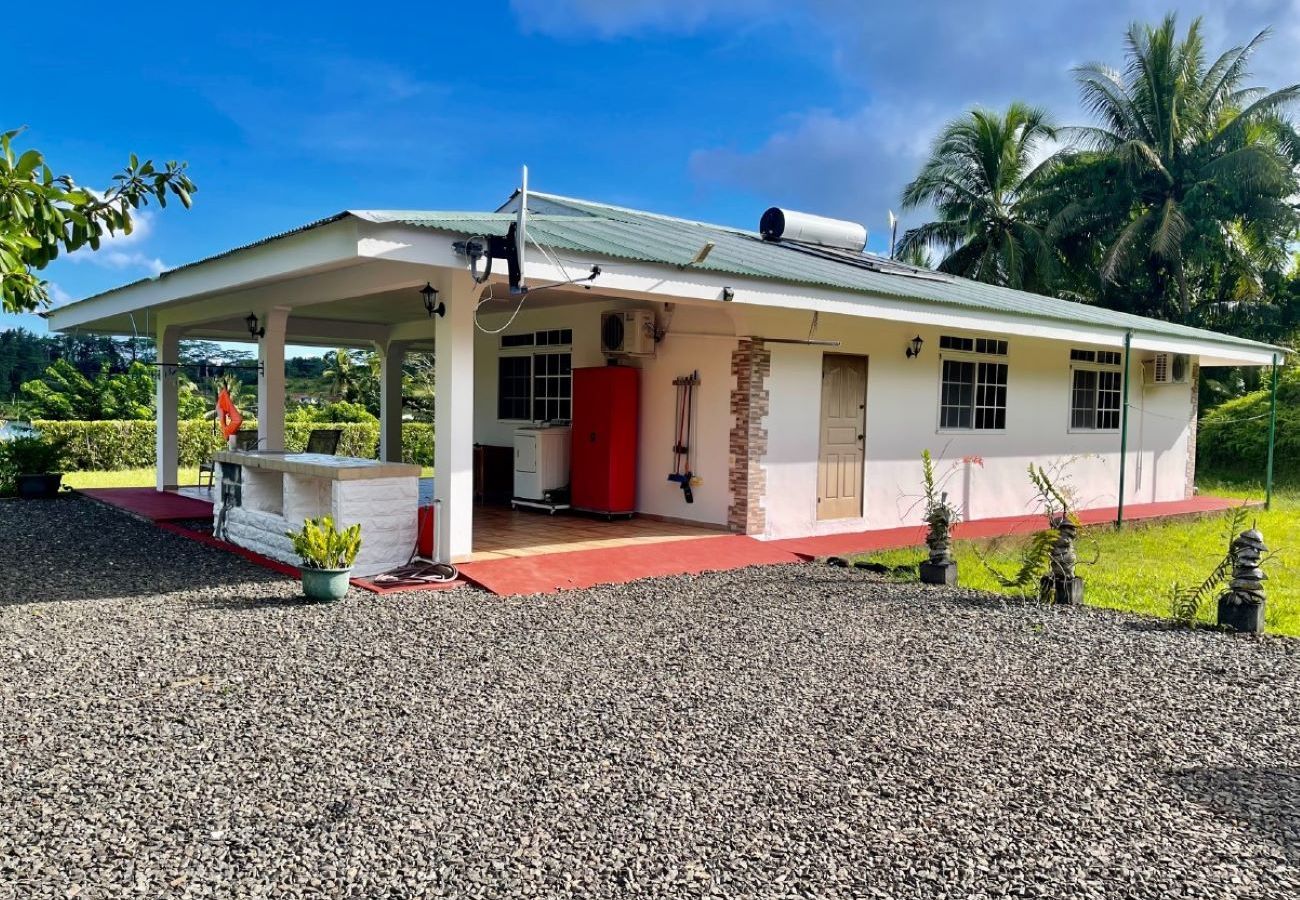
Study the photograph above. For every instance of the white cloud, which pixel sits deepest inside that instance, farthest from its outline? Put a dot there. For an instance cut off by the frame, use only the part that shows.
(848, 166)
(120, 251)
(58, 296)
(914, 66)
(608, 19)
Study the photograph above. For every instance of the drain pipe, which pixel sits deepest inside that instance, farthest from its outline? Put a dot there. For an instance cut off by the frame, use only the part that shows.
(1272, 437)
(1123, 427)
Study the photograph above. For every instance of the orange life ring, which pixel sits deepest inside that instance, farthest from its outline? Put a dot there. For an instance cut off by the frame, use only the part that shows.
(228, 416)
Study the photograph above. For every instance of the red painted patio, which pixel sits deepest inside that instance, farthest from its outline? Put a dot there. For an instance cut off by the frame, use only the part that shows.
(568, 570)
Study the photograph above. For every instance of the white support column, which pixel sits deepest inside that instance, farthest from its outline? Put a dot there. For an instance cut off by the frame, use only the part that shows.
(453, 421)
(270, 379)
(166, 409)
(392, 356)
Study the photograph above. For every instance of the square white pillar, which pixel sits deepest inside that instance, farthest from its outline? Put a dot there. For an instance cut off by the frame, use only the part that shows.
(270, 379)
(166, 409)
(453, 422)
(392, 357)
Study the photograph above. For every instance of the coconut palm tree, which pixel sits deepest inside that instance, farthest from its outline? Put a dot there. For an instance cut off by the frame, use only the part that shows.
(981, 179)
(1188, 173)
(343, 373)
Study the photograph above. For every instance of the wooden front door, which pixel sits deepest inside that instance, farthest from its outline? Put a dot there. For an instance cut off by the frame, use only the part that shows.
(843, 436)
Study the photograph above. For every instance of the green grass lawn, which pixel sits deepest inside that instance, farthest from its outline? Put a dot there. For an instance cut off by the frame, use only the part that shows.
(144, 478)
(125, 478)
(1138, 566)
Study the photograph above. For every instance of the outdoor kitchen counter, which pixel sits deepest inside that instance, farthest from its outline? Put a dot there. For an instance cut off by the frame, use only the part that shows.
(319, 465)
(261, 495)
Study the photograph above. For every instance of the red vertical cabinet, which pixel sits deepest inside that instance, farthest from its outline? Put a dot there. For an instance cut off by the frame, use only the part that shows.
(602, 462)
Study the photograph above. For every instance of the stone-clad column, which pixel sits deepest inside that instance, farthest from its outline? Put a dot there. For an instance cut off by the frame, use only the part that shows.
(751, 363)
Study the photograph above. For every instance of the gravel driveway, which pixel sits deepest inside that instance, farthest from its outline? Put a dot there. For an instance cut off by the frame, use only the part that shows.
(172, 723)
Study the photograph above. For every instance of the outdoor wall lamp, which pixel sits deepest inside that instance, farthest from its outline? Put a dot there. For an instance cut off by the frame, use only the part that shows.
(915, 349)
(254, 331)
(431, 303)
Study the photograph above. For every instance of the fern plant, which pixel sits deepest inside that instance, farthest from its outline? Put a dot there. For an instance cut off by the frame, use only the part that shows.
(320, 545)
(1057, 504)
(1185, 602)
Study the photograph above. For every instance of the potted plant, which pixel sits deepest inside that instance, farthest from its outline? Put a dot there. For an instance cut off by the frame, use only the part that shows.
(33, 463)
(327, 556)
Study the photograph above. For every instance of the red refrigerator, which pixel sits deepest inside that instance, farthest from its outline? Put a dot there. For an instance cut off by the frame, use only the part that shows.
(602, 475)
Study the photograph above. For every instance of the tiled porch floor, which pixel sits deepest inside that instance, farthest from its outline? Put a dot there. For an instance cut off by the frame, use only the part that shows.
(502, 533)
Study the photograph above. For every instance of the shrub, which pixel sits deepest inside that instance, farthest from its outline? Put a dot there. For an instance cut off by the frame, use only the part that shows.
(1233, 437)
(320, 545)
(118, 444)
(29, 455)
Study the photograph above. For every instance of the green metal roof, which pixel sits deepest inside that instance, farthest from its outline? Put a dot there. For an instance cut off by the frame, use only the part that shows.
(596, 228)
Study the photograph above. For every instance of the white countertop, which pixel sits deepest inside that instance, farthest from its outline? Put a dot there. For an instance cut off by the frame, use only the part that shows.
(318, 465)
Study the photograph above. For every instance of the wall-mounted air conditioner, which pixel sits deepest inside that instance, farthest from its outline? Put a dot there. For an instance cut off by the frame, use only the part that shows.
(1167, 368)
(627, 332)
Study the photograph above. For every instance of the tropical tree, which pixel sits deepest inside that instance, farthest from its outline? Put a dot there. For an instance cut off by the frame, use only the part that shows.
(1181, 197)
(63, 393)
(344, 373)
(981, 179)
(43, 214)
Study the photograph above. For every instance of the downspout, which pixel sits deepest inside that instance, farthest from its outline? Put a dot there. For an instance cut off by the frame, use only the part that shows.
(1123, 427)
(1272, 437)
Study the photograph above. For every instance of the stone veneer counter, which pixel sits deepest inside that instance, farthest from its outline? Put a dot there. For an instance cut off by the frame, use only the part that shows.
(261, 495)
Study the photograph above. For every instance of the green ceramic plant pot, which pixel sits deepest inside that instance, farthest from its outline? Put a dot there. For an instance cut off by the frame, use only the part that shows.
(325, 584)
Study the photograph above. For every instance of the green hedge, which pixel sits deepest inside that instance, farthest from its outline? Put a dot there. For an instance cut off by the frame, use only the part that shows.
(1233, 437)
(111, 445)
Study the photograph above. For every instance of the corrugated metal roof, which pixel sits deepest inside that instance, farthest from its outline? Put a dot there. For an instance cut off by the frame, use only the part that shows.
(583, 226)
(600, 229)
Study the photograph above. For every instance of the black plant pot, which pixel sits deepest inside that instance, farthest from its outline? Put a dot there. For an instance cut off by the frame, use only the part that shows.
(938, 573)
(1243, 617)
(1066, 591)
(39, 487)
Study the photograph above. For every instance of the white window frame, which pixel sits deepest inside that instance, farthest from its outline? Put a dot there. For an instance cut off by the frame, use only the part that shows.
(1003, 359)
(1077, 366)
(531, 351)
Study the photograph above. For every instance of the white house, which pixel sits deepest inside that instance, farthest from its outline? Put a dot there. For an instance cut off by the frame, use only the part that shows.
(823, 371)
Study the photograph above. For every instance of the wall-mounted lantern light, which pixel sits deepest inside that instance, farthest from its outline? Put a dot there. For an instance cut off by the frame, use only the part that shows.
(431, 303)
(914, 349)
(254, 331)
(728, 294)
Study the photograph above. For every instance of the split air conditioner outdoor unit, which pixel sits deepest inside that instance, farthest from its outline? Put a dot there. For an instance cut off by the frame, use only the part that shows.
(627, 332)
(1167, 368)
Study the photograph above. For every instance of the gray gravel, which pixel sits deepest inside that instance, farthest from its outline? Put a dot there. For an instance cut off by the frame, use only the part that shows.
(173, 724)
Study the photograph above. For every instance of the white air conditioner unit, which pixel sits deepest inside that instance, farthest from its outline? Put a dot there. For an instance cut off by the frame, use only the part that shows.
(627, 332)
(1167, 368)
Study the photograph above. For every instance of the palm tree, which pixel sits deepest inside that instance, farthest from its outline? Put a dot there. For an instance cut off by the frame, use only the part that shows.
(981, 180)
(343, 374)
(1189, 172)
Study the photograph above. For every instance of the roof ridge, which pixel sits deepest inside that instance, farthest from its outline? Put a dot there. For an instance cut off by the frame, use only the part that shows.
(637, 212)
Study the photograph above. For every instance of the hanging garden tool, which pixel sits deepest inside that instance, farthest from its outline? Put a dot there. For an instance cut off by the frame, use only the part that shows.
(685, 418)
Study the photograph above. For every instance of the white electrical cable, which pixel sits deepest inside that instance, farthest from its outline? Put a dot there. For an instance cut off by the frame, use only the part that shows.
(509, 322)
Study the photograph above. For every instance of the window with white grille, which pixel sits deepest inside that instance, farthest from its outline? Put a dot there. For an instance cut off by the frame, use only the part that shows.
(972, 387)
(1096, 390)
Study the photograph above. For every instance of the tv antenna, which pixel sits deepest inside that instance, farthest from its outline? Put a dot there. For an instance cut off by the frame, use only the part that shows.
(521, 232)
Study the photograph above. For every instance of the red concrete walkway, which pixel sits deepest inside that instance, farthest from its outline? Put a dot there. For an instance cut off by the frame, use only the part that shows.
(150, 504)
(552, 572)
(914, 535)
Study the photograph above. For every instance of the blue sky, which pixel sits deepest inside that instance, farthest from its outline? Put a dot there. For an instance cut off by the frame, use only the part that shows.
(709, 109)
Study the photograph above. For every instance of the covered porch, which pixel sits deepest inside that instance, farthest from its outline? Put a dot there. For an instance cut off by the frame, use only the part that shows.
(359, 284)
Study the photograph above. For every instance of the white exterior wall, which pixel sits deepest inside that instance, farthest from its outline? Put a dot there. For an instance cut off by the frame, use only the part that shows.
(902, 420)
(698, 339)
